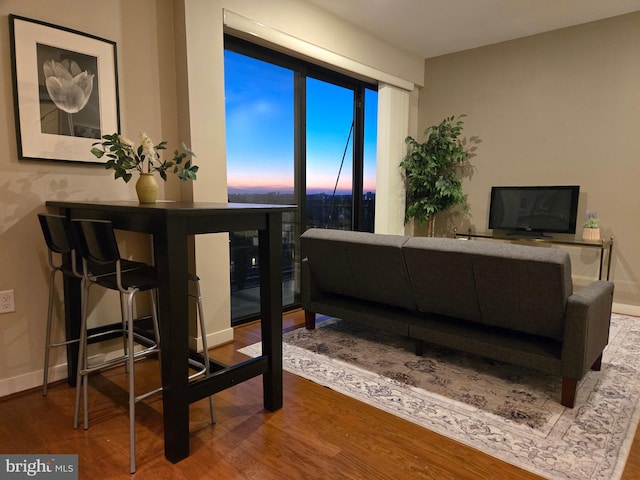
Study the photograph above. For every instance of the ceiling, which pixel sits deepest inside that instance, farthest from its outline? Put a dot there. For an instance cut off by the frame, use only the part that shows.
(436, 27)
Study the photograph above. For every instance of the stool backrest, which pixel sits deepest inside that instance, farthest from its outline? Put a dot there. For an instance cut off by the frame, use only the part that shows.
(56, 231)
(96, 240)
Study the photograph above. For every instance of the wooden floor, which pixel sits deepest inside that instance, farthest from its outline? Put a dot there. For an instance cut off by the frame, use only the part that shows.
(318, 434)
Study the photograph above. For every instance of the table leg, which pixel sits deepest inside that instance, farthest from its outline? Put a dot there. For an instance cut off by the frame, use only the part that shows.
(72, 314)
(609, 259)
(601, 263)
(270, 261)
(171, 257)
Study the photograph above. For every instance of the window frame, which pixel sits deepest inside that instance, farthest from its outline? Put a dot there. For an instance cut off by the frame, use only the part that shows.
(301, 69)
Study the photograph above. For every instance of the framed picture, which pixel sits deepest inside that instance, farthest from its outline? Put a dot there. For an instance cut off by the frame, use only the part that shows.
(65, 86)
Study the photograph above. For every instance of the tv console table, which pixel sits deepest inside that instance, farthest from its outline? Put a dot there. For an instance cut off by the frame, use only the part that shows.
(604, 245)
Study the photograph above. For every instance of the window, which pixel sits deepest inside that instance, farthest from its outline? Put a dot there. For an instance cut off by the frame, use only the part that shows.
(296, 134)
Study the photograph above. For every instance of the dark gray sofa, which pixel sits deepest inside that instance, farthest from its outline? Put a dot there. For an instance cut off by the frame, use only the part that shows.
(508, 302)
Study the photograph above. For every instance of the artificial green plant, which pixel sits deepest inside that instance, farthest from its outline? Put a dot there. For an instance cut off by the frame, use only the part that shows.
(433, 172)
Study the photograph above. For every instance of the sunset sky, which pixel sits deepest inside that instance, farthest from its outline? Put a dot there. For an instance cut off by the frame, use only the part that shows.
(259, 111)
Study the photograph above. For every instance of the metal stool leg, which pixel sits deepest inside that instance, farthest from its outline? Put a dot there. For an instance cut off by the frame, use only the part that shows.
(132, 384)
(48, 342)
(133, 399)
(45, 380)
(125, 341)
(82, 360)
(205, 346)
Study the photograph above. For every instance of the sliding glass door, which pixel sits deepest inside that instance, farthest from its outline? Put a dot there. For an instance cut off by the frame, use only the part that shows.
(260, 168)
(295, 135)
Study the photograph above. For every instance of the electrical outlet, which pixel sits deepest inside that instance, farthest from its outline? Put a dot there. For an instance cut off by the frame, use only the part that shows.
(7, 302)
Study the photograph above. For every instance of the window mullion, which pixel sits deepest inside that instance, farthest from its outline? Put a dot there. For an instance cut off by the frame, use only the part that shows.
(358, 157)
(300, 146)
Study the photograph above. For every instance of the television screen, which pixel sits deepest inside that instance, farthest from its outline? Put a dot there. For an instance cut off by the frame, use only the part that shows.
(534, 209)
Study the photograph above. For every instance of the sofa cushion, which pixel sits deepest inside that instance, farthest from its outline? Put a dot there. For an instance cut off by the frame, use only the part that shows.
(523, 287)
(441, 274)
(359, 264)
(329, 261)
(519, 287)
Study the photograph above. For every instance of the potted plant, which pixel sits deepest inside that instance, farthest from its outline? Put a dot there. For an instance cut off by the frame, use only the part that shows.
(591, 230)
(432, 172)
(125, 157)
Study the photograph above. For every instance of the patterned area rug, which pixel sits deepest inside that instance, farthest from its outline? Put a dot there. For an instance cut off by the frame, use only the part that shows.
(506, 411)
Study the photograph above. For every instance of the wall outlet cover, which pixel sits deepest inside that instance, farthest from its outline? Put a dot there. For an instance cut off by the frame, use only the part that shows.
(7, 301)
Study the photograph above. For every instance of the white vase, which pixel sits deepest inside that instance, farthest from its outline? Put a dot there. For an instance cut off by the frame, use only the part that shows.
(591, 234)
(147, 188)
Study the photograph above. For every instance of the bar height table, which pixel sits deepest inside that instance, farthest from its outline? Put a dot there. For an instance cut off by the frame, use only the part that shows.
(170, 224)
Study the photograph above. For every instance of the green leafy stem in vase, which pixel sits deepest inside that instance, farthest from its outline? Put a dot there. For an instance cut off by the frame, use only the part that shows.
(124, 157)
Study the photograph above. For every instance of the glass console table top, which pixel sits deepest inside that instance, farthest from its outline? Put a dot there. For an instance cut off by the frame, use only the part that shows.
(559, 239)
(604, 245)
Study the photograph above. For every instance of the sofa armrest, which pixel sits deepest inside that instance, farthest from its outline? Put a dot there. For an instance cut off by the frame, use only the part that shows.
(586, 329)
(308, 287)
(309, 291)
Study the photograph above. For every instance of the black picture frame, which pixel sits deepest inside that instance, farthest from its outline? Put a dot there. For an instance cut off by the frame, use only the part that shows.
(65, 85)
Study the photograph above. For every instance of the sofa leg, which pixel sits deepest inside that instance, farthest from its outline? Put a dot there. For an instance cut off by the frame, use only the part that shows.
(419, 348)
(597, 365)
(569, 386)
(309, 320)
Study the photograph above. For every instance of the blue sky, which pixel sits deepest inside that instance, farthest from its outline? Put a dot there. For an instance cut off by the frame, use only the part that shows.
(259, 111)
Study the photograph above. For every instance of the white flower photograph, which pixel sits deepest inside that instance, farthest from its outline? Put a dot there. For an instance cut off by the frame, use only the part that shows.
(69, 104)
(65, 85)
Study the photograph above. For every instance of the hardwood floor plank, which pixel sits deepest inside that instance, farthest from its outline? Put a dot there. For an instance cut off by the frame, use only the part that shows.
(318, 434)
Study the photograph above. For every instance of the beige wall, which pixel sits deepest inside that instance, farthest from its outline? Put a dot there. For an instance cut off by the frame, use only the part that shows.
(143, 32)
(171, 86)
(558, 108)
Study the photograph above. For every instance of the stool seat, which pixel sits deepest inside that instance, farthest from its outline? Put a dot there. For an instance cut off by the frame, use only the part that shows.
(142, 279)
(96, 270)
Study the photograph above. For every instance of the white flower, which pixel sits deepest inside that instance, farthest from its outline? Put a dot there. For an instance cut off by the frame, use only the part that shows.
(68, 86)
(148, 149)
(125, 140)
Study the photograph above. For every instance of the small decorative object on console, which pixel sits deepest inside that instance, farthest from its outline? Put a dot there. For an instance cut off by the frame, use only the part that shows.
(591, 230)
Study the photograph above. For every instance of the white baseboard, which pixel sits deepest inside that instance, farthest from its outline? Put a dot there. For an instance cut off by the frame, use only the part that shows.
(623, 309)
(213, 339)
(31, 380)
(34, 379)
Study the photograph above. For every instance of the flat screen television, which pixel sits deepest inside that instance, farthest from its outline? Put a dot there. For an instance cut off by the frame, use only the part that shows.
(534, 211)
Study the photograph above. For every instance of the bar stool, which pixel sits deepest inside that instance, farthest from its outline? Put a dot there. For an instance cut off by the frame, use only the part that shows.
(57, 235)
(97, 244)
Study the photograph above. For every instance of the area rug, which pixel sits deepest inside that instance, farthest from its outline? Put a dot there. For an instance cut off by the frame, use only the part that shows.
(509, 412)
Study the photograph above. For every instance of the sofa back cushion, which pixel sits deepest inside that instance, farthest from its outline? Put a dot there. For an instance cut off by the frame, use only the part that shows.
(359, 264)
(524, 288)
(441, 274)
(519, 287)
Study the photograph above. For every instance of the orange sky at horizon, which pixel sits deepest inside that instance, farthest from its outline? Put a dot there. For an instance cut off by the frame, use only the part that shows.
(262, 183)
